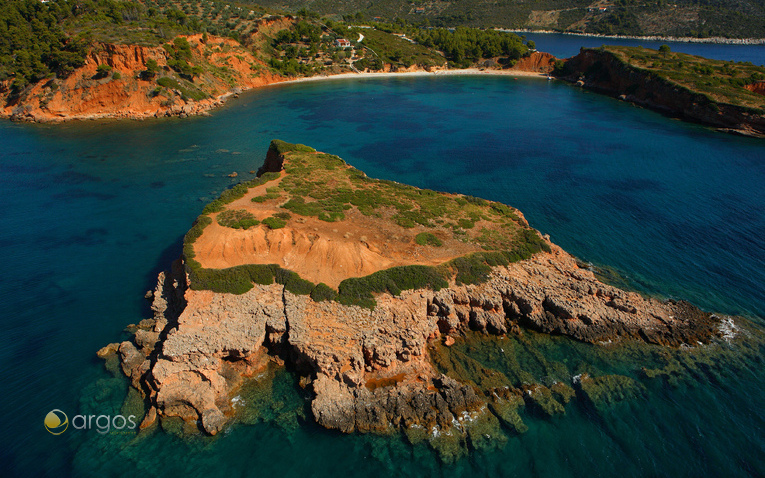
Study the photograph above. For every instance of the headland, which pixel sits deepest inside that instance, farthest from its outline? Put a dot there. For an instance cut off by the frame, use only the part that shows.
(361, 286)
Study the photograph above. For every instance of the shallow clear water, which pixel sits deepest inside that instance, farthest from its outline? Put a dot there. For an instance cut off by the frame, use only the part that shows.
(93, 211)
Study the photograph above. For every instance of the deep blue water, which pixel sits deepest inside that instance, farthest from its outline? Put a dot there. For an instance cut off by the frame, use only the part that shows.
(92, 211)
(565, 46)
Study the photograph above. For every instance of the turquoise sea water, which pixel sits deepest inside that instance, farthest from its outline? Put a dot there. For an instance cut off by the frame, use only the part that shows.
(92, 211)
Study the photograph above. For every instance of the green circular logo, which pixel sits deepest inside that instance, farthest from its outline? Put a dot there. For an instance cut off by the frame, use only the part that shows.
(56, 422)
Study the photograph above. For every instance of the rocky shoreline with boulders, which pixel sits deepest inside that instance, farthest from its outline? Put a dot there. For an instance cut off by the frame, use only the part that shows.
(371, 370)
(395, 365)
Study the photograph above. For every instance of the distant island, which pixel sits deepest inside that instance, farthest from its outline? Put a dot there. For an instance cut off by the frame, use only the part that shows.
(362, 286)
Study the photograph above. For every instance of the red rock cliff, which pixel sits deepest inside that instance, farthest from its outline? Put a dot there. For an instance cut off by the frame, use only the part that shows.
(604, 72)
(83, 95)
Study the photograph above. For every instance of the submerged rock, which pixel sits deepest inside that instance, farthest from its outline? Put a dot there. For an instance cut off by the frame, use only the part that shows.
(506, 409)
(541, 398)
(606, 390)
(562, 392)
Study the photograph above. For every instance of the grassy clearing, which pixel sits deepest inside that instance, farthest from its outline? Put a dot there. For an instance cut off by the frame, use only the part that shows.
(324, 186)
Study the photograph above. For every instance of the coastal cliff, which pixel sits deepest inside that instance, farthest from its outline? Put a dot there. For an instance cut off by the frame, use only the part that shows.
(373, 348)
(657, 82)
(120, 81)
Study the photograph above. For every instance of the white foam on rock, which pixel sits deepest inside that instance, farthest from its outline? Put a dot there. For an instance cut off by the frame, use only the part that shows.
(237, 401)
(728, 328)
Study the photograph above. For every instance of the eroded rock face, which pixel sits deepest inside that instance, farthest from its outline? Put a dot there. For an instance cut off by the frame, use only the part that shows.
(370, 370)
(603, 72)
(538, 61)
(551, 294)
(85, 95)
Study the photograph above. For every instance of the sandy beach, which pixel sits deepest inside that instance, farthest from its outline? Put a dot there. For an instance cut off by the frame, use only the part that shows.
(466, 71)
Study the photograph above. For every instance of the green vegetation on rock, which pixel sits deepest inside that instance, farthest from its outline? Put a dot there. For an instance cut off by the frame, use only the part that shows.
(470, 269)
(718, 81)
(274, 222)
(103, 70)
(324, 186)
(282, 147)
(188, 241)
(305, 193)
(237, 219)
(323, 292)
(721, 81)
(240, 279)
(187, 90)
(359, 290)
(428, 239)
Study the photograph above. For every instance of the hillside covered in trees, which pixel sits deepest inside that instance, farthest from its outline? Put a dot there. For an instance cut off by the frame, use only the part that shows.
(140, 58)
(39, 39)
(680, 18)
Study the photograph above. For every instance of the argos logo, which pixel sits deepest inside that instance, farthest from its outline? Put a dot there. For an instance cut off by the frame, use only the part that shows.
(57, 422)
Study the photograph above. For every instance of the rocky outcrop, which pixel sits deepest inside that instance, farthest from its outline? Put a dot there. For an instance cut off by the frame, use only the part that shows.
(757, 87)
(274, 162)
(551, 294)
(370, 370)
(538, 62)
(603, 71)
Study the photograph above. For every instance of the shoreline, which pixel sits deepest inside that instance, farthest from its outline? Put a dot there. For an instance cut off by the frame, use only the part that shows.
(389, 74)
(709, 40)
(204, 107)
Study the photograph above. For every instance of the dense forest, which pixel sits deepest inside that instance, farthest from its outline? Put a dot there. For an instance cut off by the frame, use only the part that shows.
(40, 39)
(32, 43)
(694, 18)
(464, 46)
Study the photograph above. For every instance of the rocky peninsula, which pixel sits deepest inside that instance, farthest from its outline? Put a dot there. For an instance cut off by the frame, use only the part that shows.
(726, 95)
(362, 287)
